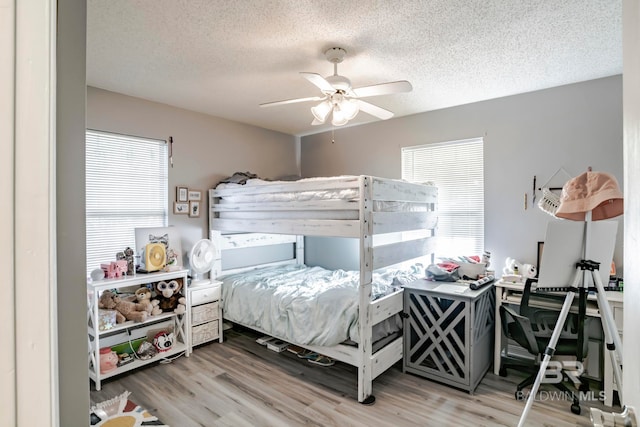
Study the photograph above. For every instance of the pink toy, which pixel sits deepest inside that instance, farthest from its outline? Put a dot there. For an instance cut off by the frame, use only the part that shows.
(114, 269)
(108, 360)
(121, 267)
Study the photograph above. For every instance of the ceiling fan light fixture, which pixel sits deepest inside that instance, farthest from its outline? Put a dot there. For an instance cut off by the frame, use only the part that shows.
(340, 99)
(339, 117)
(322, 110)
(350, 108)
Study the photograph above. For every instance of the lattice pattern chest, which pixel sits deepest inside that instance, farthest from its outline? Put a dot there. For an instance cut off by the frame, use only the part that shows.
(448, 332)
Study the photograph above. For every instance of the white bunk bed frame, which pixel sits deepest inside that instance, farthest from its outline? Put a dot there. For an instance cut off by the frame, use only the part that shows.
(290, 221)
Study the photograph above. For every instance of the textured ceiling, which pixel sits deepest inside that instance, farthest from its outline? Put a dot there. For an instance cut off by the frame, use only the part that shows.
(223, 57)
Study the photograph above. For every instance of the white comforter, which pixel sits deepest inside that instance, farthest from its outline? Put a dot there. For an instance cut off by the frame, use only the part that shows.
(303, 305)
(290, 196)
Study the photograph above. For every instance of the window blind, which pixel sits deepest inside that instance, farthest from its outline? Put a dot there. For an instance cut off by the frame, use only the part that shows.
(126, 187)
(457, 169)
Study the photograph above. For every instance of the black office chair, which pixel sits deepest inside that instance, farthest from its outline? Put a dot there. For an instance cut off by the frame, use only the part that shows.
(532, 328)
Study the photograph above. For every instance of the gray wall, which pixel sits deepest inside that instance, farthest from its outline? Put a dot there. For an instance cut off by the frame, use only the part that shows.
(205, 150)
(73, 368)
(573, 126)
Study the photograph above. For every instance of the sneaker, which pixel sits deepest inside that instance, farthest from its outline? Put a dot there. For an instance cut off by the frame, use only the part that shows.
(321, 360)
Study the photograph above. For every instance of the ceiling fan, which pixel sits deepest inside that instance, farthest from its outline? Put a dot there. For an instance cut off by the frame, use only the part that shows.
(339, 98)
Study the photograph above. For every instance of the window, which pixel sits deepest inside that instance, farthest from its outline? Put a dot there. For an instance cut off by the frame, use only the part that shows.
(126, 188)
(457, 169)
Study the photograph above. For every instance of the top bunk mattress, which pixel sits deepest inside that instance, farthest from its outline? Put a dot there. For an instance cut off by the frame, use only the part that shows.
(304, 305)
(337, 196)
(289, 191)
(323, 206)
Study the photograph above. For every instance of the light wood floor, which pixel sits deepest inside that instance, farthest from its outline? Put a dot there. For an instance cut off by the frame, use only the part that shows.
(240, 383)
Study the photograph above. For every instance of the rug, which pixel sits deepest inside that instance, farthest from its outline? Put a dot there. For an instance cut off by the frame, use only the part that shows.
(122, 412)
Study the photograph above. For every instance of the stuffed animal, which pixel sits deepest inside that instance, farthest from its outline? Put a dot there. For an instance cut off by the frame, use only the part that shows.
(513, 267)
(169, 297)
(125, 310)
(143, 296)
(163, 341)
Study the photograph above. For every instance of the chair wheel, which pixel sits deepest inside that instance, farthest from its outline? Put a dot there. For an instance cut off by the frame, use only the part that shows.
(575, 408)
(519, 395)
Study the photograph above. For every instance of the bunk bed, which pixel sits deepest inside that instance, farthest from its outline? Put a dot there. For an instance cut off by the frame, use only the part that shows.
(394, 221)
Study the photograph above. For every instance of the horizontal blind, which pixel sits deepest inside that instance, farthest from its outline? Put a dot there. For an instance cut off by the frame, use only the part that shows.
(127, 187)
(457, 169)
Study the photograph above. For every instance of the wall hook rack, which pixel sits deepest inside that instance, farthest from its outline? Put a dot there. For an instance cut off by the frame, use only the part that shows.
(545, 185)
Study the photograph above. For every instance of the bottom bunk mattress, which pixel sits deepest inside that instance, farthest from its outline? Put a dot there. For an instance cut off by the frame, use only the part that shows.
(307, 305)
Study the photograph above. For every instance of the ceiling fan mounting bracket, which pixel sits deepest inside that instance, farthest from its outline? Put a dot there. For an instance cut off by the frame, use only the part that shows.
(335, 55)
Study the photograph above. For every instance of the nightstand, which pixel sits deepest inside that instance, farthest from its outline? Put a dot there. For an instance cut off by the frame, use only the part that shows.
(448, 332)
(206, 321)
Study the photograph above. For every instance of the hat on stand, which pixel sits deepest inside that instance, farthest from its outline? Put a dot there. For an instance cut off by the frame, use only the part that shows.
(597, 192)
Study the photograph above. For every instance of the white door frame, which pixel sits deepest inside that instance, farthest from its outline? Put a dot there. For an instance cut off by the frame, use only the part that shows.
(631, 154)
(28, 359)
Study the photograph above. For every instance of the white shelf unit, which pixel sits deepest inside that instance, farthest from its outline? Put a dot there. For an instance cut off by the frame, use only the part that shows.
(180, 323)
(206, 318)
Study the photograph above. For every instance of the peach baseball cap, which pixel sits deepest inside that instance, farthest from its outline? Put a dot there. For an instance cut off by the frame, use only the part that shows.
(597, 192)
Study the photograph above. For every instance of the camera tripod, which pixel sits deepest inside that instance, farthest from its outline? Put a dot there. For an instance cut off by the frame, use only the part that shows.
(584, 268)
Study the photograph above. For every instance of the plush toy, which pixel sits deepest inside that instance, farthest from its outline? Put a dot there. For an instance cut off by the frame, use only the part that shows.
(169, 297)
(513, 267)
(163, 341)
(143, 296)
(125, 310)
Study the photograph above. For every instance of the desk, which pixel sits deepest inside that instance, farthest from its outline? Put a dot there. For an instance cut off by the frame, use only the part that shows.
(447, 332)
(511, 293)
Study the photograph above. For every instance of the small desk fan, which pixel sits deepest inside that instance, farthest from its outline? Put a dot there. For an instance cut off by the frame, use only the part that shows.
(201, 259)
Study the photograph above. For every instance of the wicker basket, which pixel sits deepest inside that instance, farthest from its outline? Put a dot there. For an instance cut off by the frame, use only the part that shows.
(204, 333)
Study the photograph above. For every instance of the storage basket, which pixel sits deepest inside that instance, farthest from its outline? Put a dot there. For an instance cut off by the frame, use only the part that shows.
(204, 313)
(204, 333)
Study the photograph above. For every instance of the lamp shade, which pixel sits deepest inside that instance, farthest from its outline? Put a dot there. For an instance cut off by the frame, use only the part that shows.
(597, 192)
(322, 110)
(349, 108)
(339, 118)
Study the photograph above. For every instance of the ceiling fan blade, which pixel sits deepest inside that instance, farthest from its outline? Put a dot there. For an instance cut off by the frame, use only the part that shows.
(383, 89)
(293, 101)
(319, 81)
(374, 110)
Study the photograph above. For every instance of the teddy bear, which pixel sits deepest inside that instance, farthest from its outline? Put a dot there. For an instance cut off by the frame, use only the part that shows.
(143, 296)
(169, 297)
(125, 310)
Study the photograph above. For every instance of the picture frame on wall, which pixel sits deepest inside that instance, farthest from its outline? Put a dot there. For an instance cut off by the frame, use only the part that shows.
(180, 208)
(540, 249)
(182, 194)
(194, 209)
(195, 195)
